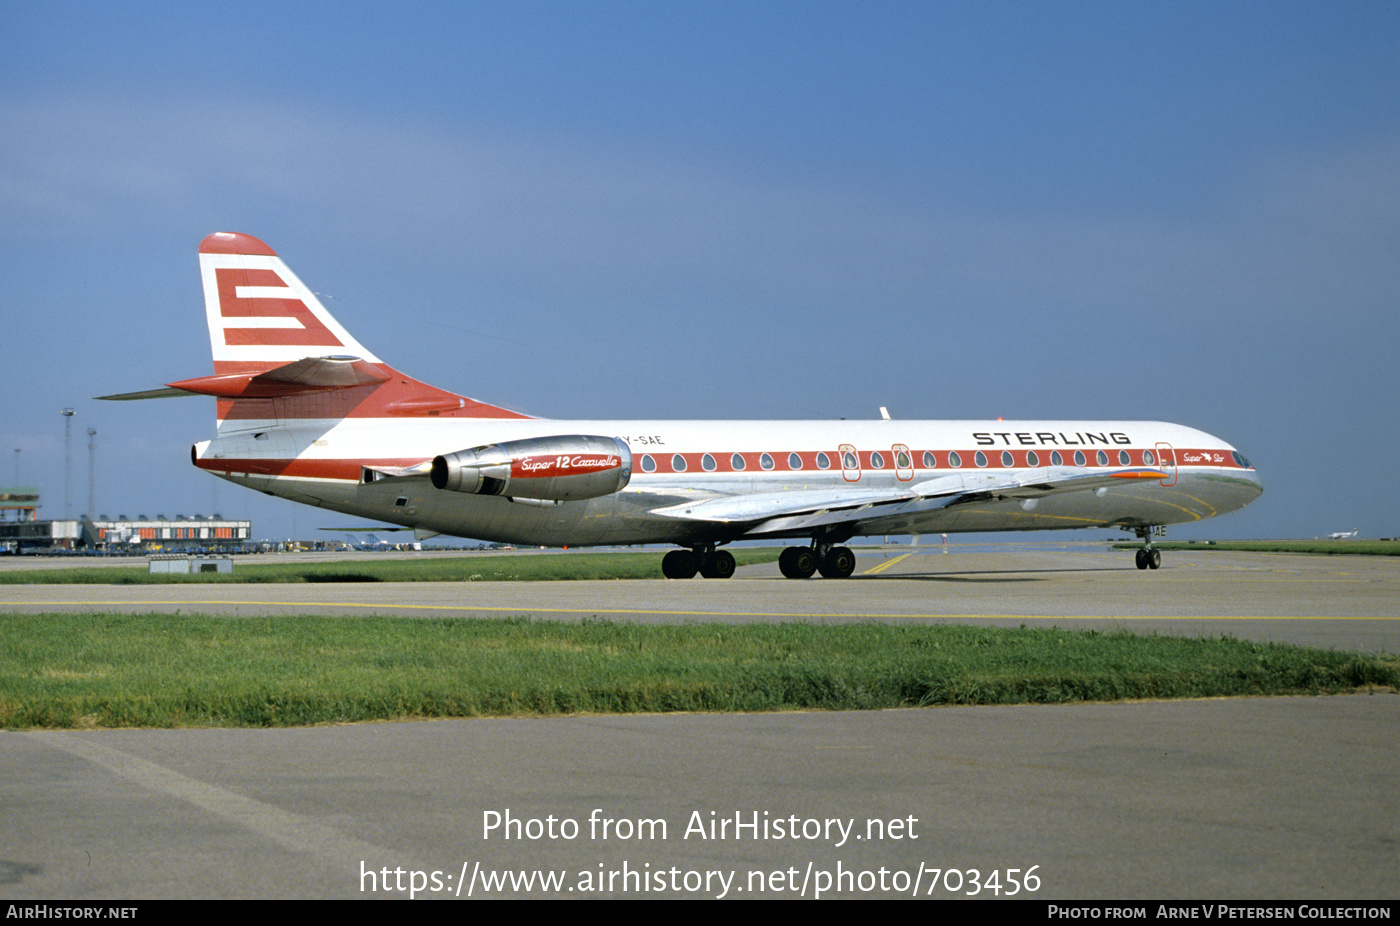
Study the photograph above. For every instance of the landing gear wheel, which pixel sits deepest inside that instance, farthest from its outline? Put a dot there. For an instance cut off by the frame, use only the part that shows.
(679, 564)
(1147, 557)
(717, 565)
(798, 562)
(838, 563)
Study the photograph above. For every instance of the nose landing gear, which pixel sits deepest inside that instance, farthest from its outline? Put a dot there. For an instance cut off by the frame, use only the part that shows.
(1147, 557)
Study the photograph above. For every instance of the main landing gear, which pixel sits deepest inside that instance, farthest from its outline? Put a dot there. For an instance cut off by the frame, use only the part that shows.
(832, 562)
(1148, 558)
(706, 560)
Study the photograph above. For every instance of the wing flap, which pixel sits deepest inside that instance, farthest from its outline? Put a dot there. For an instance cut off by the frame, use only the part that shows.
(731, 509)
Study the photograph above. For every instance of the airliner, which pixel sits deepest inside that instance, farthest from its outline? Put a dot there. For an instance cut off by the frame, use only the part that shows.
(306, 413)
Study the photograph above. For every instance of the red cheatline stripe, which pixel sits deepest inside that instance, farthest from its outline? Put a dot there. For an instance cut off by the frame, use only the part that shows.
(350, 469)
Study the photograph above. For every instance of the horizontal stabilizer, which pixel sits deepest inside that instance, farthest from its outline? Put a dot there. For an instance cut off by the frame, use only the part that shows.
(166, 393)
(310, 374)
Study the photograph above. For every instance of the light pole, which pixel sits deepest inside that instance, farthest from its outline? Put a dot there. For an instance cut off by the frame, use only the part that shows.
(67, 414)
(92, 469)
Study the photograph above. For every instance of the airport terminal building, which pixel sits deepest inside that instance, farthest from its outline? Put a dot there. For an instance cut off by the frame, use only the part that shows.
(135, 536)
(172, 534)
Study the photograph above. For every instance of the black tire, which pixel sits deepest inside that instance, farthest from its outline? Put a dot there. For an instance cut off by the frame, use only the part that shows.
(718, 565)
(838, 563)
(798, 562)
(679, 564)
(1142, 559)
(1154, 559)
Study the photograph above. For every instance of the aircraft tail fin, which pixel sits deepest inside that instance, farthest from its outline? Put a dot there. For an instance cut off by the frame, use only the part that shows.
(260, 315)
(279, 354)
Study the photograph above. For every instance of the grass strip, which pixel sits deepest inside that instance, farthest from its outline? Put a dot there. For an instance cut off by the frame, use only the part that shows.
(466, 568)
(1333, 547)
(113, 670)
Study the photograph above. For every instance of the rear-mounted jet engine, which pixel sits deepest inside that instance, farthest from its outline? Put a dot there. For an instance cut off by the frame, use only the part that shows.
(562, 468)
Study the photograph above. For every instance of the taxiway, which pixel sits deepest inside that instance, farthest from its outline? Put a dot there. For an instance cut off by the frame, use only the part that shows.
(1248, 798)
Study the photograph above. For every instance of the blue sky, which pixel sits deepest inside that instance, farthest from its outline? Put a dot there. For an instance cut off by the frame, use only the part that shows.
(1176, 211)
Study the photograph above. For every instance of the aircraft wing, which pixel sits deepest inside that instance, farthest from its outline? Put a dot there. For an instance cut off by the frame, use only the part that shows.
(750, 509)
(788, 512)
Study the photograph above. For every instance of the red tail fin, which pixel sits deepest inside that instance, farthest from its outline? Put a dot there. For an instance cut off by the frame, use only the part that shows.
(279, 354)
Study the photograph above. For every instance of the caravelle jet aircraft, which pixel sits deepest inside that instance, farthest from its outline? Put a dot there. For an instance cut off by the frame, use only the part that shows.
(306, 413)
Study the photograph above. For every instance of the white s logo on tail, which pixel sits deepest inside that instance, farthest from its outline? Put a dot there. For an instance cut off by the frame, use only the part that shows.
(259, 312)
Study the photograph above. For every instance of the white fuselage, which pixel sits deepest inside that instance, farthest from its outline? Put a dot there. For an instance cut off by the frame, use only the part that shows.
(339, 464)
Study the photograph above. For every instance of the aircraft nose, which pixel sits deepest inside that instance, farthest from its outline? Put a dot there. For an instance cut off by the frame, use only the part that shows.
(1250, 473)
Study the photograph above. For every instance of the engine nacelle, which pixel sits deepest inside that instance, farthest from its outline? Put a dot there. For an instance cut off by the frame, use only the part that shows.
(561, 468)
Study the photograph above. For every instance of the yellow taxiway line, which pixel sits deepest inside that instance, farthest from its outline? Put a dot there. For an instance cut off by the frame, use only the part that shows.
(815, 615)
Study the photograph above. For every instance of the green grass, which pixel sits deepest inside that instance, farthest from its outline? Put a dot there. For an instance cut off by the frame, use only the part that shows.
(110, 670)
(1362, 547)
(465, 568)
